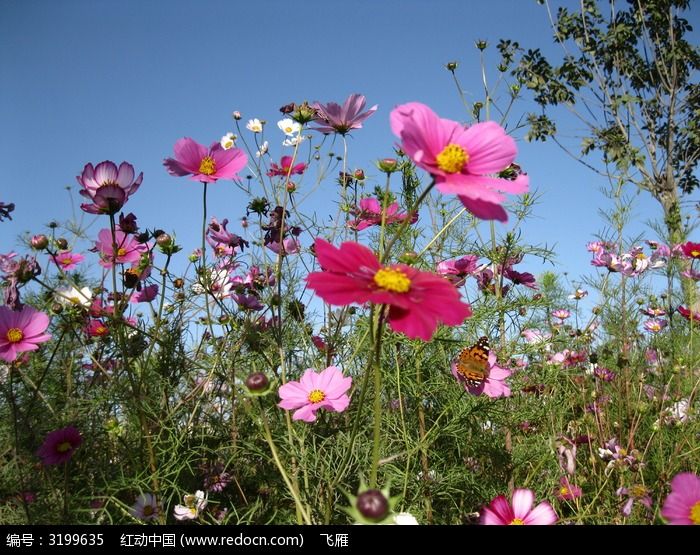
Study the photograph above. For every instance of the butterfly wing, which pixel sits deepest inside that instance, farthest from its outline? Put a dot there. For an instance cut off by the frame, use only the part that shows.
(473, 363)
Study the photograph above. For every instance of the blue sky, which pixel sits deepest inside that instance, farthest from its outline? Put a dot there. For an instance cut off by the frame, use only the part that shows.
(89, 80)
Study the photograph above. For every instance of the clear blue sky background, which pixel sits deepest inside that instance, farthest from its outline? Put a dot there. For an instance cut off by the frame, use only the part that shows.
(87, 80)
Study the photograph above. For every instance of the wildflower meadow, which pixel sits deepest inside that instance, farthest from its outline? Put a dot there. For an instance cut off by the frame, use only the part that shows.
(375, 340)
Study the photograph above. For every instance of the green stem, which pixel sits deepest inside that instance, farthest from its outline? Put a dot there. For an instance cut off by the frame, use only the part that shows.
(377, 431)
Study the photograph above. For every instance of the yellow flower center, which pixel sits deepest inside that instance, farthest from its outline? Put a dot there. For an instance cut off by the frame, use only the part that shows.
(67, 261)
(695, 253)
(452, 159)
(100, 330)
(564, 491)
(14, 335)
(107, 183)
(641, 256)
(63, 447)
(517, 522)
(316, 396)
(392, 279)
(121, 251)
(147, 510)
(207, 166)
(695, 513)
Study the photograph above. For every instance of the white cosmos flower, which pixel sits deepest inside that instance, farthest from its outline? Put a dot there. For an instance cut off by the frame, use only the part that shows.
(68, 296)
(294, 140)
(254, 125)
(194, 505)
(405, 518)
(289, 127)
(263, 149)
(228, 141)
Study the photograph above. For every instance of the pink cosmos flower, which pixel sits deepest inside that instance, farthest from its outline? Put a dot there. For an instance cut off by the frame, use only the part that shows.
(500, 512)
(369, 213)
(655, 325)
(568, 491)
(682, 506)
(418, 301)
(146, 507)
(636, 493)
(59, 446)
(67, 260)
(461, 159)
(285, 168)
(290, 245)
(128, 250)
(204, 165)
(493, 386)
(107, 186)
(21, 331)
(333, 118)
(316, 390)
(146, 295)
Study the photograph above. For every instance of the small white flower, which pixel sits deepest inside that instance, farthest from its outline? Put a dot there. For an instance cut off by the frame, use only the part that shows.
(254, 125)
(578, 294)
(294, 140)
(263, 149)
(194, 505)
(228, 141)
(405, 519)
(289, 127)
(68, 296)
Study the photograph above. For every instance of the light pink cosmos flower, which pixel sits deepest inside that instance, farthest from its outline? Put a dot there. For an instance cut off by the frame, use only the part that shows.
(205, 165)
(655, 325)
(462, 159)
(128, 249)
(21, 331)
(68, 260)
(561, 313)
(192, 508)
(493, 386)
(333, 118)
(59, 446)
(418, 301)
(146, 507)
(316, 390)
(499, 512)
(682, 506)
(107, 186)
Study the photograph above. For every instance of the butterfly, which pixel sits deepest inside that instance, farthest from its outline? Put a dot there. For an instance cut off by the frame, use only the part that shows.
(472, 363)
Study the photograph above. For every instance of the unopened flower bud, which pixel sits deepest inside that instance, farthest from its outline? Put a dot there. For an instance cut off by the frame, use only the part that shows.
(372, 505)
(62, 244)
(164, 240)
(40, 242)
(178, 283)
(236, 115)
(288, 108)
(359, 174)
(291, 187)
(257, 382)
(481, 44)
(388, 165)
(451, 66)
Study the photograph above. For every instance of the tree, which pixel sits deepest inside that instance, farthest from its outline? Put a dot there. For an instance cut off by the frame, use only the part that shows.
(631, 77)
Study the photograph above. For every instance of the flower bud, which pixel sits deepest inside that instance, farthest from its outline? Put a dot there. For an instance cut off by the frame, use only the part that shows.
(359, 174)
(62, 244)
(372, 505)
(40, 242)
(388, 165)
(257, 382)
(451, 66)
(236, 115)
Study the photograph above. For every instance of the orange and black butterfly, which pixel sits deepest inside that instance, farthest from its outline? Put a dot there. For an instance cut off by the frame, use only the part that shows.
(472, 363)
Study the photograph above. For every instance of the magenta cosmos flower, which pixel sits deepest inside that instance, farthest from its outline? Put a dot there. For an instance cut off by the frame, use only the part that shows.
(500, 511)
(333, 118)
(285, 168)
(316, 390)
(493, 385)
(461, 159)
(205, 165)
(418, 301)
(59, 446)
(128, 249)
(21, 331)
(682, 506)
(691, 250)
(370, 213)
(107, 186)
